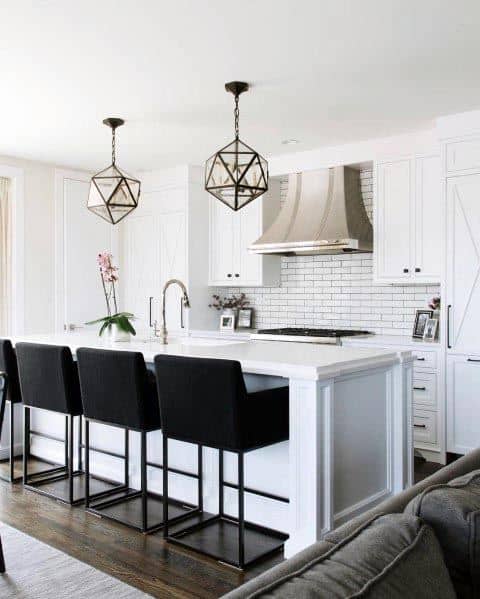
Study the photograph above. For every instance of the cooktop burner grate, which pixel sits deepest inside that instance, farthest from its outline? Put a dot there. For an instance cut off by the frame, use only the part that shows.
(312, 332)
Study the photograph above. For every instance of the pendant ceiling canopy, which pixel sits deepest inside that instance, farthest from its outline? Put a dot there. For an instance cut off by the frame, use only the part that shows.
(113, 192)
(236, 174)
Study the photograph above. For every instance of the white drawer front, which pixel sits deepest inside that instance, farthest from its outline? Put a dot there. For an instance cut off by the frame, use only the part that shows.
(425, 359)
(463, 156)
(425, 427)
(425, 389)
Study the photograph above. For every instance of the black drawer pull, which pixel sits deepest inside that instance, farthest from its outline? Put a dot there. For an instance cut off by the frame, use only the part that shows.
(417, 269)
(472, 360)
(420, 388)
(420, 426)
(236, 274)
(420, 359)
(229, 275)
(405, 270)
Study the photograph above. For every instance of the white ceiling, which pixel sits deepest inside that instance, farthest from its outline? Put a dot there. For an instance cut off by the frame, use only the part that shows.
(322, 71)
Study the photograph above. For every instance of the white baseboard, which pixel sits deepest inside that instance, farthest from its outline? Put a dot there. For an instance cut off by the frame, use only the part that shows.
(361, 506)
(5, 451)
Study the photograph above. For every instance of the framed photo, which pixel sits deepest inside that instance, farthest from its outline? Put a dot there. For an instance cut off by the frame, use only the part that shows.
(430, 329)
(421, 319)
(227, 322)
(245, 318)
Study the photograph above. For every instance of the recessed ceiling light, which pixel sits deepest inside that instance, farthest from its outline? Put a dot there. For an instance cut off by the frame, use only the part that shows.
(290, 142)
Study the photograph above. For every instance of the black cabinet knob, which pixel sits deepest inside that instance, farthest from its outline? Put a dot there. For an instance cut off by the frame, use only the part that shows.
(236, 274)
(405, 270)
(229, 275)
(417, 269)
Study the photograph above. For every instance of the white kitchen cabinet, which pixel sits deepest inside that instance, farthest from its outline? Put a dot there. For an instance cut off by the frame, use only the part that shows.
(462, 156)
(463, 403)
(428, 389)
(463, 264)
(409, 216)
(166, 237)
(230, 262)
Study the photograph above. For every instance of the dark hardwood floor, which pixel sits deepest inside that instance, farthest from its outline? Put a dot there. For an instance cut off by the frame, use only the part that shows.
(145, 562)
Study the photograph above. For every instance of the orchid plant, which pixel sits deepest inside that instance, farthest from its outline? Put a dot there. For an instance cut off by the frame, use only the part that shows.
(109, 277)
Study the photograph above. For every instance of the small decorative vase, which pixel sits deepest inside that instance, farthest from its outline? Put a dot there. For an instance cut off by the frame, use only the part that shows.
(116, 335)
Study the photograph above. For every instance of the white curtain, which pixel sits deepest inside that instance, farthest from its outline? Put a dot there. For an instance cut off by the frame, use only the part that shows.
(5, 254)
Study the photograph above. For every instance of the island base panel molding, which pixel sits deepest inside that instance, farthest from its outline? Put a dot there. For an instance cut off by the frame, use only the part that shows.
(351, 447)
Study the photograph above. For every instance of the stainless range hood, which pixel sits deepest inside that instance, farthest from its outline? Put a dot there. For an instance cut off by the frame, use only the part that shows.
(323, 214)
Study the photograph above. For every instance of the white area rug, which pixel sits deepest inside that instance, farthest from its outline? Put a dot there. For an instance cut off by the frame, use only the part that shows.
(38, 571)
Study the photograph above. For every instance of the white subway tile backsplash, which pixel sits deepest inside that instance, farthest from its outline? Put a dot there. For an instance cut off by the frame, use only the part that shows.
(336, 291)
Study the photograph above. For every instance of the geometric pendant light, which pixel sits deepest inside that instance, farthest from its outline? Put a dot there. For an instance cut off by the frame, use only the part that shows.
(236, 174)
(113, 193)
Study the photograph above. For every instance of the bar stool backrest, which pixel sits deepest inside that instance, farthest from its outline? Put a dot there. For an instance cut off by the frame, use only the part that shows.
(8, 364)
(49, 378)
(116, 389)
(201, 400)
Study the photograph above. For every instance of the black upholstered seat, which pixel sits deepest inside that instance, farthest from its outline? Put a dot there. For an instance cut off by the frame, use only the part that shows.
(8, 365)
(49, 380)
(9, 392)
(205, 401)
(118, 389)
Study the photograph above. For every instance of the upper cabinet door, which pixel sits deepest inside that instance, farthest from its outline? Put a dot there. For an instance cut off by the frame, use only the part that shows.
(429, 220)
(393, 219)
(221, 243)
(463, 263)
(231, 233)
(248, 267)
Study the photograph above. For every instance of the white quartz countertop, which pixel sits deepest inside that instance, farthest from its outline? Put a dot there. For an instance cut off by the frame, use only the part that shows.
(392, 340)
(289, 360)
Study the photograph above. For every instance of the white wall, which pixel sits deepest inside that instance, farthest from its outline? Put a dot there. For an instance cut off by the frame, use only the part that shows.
(39, 243)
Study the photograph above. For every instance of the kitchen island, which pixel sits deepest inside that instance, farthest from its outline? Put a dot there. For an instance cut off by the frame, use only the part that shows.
(350, 443)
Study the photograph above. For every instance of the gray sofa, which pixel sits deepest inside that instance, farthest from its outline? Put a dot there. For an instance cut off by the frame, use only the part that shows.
(423, 543)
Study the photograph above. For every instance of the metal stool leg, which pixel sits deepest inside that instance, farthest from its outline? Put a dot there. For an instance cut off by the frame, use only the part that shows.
(200, 477)
(12, 442)
(127, 458)
(220, 483)
(241, 512)
(70, 457)
(143, 476)
(87, 463)
(26, 442)
(80, 440)
(165, 485)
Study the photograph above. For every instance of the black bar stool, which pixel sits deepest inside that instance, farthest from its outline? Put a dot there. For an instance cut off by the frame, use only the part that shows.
(10, 392)
(49, 381)
(204, 401)
(118, 390)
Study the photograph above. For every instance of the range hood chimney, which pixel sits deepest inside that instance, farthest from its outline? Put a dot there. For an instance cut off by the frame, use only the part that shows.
(323, 214)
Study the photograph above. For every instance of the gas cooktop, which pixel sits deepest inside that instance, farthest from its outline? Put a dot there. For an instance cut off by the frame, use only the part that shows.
(332, 336)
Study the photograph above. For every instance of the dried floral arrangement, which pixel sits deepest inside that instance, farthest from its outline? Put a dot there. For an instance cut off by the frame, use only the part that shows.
(233, 302)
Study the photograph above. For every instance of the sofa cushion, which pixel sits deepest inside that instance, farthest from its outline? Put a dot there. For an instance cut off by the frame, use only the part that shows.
(453, 511)
(394, 556)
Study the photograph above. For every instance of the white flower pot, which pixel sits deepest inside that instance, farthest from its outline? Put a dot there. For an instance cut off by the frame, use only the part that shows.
(116, 335)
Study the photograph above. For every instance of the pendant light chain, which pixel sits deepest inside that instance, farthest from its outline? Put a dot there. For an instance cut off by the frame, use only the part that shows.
(113, 146)
(236, 113)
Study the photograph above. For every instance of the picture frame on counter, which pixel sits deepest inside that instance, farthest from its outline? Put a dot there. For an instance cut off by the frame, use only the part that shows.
(431, 328)
(421, 319)
(227, 321)
(245, 318)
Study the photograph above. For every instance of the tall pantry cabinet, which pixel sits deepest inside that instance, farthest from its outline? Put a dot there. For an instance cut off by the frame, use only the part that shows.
(462, 293)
